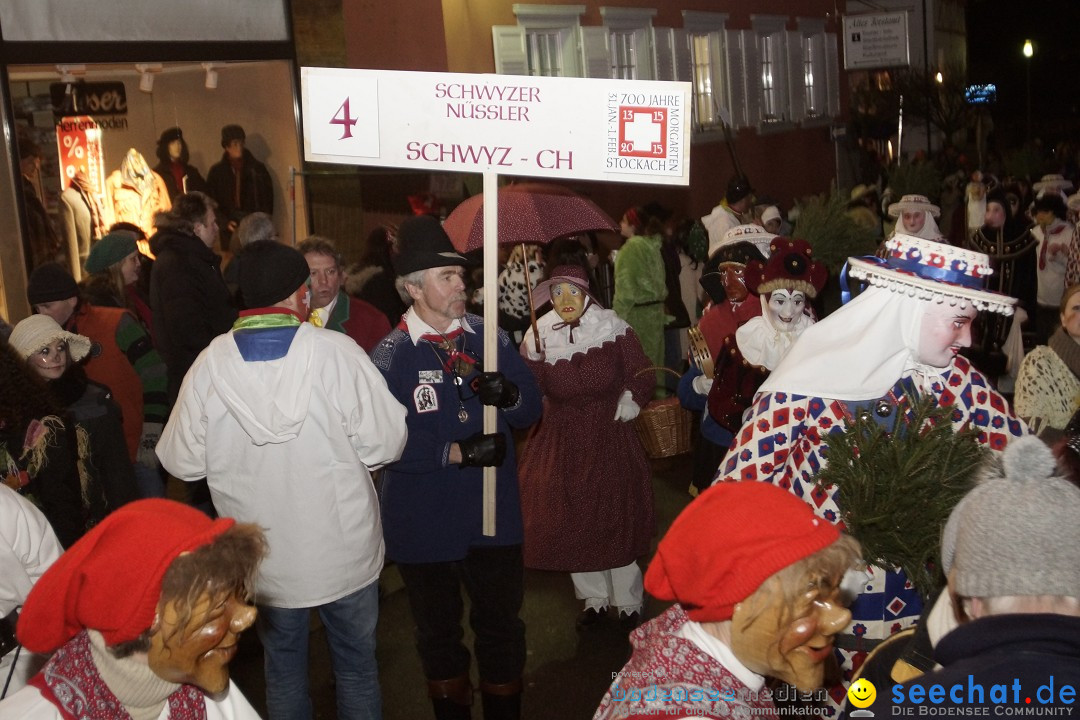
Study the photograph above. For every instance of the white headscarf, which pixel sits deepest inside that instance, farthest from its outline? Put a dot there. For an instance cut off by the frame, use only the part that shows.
(860, 351)
(597, 326)
(929, 230)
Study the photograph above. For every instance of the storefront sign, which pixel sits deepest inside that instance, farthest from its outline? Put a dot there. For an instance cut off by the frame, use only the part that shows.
(616, 130)
(100, 98)
(78, 141)
(876, 41)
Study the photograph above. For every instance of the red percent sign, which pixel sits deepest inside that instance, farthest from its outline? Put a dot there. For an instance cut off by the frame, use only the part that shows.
(642, 131)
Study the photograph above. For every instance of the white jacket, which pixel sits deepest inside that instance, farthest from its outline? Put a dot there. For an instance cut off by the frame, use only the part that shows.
(28, 547)
(288, 444)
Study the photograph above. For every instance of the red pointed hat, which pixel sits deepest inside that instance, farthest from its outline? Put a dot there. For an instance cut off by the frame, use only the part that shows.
(730, 540)
(110, 579)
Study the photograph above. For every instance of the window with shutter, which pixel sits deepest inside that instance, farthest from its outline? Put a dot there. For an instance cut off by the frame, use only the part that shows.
(550, 42)
(630, 40)
(765, 53)
(705, 37)
(812, 81)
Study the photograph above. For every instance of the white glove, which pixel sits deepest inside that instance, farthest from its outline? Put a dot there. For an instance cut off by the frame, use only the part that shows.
(702, 385)
(627, 409)
(151, 433)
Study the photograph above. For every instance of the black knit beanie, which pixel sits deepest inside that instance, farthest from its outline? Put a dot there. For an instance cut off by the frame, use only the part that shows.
(270, 272)
(50, 282)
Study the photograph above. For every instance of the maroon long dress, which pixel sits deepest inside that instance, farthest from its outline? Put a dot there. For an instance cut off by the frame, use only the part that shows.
(586, 492)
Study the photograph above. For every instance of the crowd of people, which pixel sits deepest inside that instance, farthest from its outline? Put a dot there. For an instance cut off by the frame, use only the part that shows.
(302, 404)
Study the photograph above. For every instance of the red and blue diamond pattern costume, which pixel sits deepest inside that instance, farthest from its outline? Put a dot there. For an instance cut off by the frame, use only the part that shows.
(782, 443)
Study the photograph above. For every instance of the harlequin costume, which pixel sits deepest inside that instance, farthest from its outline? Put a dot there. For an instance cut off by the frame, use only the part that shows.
(586, 492)
(862, 361)
(758, 345)
(720, 321)
(743, 244)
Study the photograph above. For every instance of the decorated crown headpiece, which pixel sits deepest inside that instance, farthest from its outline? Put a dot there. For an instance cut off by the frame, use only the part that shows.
(933, 270)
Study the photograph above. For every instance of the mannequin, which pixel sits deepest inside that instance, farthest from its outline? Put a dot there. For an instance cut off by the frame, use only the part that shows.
(136, 193)
(83, 221)
(173, 166)
(239, 183)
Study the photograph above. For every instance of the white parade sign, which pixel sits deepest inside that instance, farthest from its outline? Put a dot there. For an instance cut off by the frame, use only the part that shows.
(585, 129)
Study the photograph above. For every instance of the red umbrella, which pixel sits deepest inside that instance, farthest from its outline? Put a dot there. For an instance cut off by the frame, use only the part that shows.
(528, 212)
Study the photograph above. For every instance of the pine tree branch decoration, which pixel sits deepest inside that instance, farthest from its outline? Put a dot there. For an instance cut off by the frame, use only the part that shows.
(824, 223)
(915, 179)
(896, 490)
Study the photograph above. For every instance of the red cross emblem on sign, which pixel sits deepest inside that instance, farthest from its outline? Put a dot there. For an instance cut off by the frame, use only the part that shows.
(642, 131)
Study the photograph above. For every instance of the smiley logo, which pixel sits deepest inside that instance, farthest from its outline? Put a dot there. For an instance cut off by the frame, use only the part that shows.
(862, 693)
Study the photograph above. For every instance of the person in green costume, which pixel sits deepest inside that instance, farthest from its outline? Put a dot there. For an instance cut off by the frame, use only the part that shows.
(639, 282)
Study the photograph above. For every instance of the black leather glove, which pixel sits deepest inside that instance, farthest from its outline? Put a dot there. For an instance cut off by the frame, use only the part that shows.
(482, 450)
(495, 389)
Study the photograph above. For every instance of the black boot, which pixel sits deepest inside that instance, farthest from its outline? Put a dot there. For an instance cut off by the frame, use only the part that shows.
(451, 698)
(501, 702)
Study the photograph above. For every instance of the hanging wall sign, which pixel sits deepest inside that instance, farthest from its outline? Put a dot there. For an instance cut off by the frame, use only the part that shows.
(586, 129)
(78, 142)
(98, 98)
(876, 41)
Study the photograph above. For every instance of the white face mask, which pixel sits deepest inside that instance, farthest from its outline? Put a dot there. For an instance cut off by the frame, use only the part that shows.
(945, 330)
(785, 307)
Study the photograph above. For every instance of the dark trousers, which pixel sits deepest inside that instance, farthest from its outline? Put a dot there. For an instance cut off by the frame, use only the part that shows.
(707, 458)
(493, 577)
(1047, 319)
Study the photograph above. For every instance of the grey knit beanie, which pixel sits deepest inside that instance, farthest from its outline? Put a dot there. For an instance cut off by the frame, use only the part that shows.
(1018, 531)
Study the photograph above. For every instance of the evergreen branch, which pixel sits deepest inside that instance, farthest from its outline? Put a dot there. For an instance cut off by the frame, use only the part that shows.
(896, 490)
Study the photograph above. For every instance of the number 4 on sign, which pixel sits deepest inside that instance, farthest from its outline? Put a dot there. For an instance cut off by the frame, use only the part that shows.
(343, 118)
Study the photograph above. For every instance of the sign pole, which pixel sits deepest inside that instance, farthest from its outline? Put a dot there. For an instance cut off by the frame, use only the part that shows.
(491, 327)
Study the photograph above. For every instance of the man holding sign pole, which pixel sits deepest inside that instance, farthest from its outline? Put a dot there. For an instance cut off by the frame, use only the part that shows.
(432, 498)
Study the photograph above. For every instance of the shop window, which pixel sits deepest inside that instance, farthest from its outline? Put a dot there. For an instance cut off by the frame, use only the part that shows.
(630, 42)
(98, 125)
(547, 41)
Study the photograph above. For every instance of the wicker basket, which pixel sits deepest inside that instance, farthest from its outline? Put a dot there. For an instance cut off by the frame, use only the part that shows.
(664, 425)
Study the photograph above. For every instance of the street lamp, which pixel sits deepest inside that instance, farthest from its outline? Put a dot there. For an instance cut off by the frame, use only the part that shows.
(1029, 51)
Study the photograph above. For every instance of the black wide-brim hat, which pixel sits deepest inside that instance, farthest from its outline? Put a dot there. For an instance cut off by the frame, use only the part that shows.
(423, 244)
